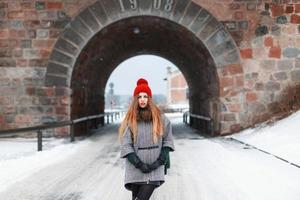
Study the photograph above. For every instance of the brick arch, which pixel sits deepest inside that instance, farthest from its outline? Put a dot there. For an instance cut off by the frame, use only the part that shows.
(191, 16)
(102, 13)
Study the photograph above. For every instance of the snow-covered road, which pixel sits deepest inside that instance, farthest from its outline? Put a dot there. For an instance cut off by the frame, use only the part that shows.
(201, 169)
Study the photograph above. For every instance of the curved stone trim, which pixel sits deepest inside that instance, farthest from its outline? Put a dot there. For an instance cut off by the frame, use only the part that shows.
(67, 46)
(104, 12)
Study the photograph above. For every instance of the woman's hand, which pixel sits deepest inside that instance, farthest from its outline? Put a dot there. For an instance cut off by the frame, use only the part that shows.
(134, 159)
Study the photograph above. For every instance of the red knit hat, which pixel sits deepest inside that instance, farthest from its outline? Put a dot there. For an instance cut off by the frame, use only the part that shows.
(142, 86)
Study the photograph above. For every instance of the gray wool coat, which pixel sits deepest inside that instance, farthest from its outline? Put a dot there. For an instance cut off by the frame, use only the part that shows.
(148, 156)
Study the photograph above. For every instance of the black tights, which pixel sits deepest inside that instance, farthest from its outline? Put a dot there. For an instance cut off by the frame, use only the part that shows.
(142, 191)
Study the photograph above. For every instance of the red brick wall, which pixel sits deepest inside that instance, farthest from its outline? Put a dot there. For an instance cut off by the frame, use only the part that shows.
(266, 33)
(178, 87)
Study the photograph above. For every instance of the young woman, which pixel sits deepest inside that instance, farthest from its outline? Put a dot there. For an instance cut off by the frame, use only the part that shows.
(146, 139)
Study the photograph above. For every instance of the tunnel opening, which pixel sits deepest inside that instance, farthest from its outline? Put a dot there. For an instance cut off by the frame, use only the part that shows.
(137, 36)
(168, 85)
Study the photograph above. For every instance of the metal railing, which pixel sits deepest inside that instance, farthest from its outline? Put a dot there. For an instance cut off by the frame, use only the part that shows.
(187, 119)
(39, 128)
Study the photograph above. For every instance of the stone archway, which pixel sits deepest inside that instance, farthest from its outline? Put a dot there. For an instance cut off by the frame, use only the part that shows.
(210, 46)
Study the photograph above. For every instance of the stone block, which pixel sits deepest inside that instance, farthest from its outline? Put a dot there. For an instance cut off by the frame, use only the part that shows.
(251, 96)
(81, 28)
(31, 53)
(275, 52)
(112, 8)
(223, 48)
(268, 65)
(16, 24)
(31, 15)
(179, 9)
(242, 25)
(8, 43)
(259, 86)
(217, 38)
(289, 9)
(32, 24)
(277, 10)
(54, 5)
(281, 20)
(38, 63)
(229, 117)
(285, 64)
(209, 29)
(190, 14)
(261, 30)
(54, 68)
(268, 41)
(62, 58)
(7, 62)
(43, 44)
(230, 25)
(25, 44)
(201, 19)
(42, 33)
(226, 82)
(59, 24)
(295, 75)
(228, 58)
(27, 6)
(52, 80)
(90, 20)
(48, 15)
(280, 76)
(246, 53)
(66, 46)
(295, 19)
(272, 86)
(72, 36)
(99, 12)
(15, 15)
(251, 6)
(39, 5)
(6, 52)
(291, 52)
(4, 100)
(31, 33)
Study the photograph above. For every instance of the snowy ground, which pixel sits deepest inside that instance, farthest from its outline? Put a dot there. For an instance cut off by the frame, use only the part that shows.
(201, 168)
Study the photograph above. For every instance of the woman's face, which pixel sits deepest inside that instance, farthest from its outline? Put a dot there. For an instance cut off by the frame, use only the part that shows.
(143, 99)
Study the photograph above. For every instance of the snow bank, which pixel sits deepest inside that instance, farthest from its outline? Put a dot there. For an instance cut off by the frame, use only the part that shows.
(281, 138)
(20, 159)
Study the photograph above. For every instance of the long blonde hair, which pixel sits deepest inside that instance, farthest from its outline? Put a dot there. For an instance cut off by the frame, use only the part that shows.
(130, 120)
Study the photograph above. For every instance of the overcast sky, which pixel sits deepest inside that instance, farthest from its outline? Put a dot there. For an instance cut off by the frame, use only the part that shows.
(152, 68)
